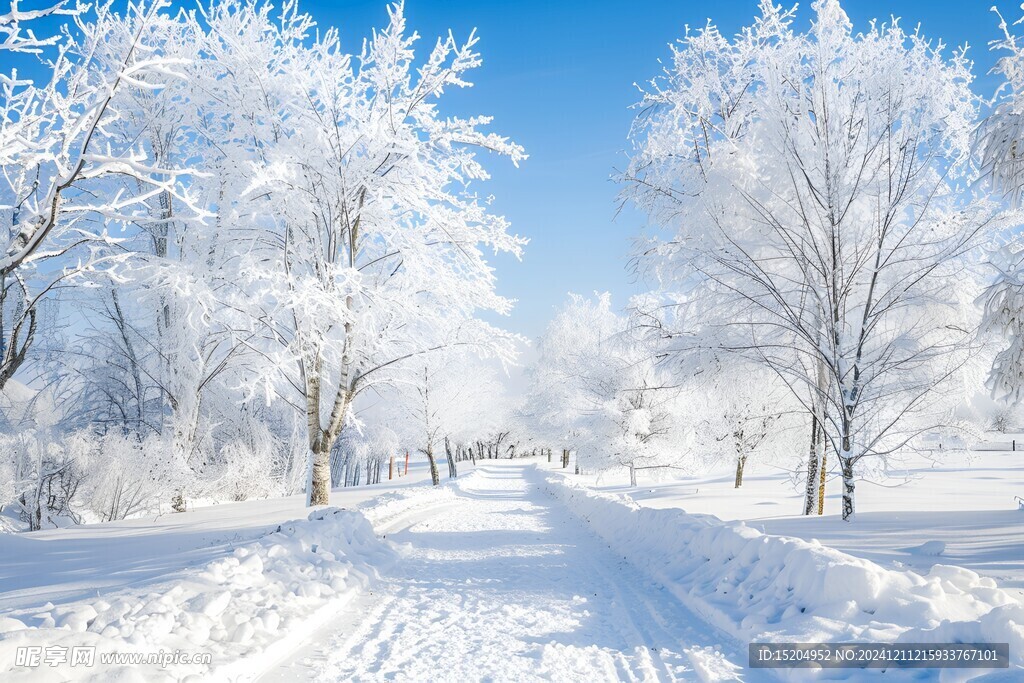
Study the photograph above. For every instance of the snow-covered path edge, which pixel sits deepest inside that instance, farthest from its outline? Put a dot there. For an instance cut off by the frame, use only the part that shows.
(248, 610)
(756, 587)
(381, 512)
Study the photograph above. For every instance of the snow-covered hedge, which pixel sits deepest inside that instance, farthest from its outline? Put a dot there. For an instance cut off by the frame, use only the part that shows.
(49, 479)
(247, 609)
(757, 587)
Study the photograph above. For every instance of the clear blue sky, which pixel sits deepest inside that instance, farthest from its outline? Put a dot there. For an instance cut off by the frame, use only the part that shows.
(558, 77)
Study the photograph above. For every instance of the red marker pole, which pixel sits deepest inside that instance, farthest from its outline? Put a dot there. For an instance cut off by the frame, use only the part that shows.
(407, 462)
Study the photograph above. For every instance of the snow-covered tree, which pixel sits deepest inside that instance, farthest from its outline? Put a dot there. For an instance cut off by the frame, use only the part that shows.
(223, 206)
(155, 344)
(448, 399)
(1001, 135)
(43, 478)
(60, 164)
(596, 389)
(1003, 303)
(747, 413)
(16, 30)
(361, 454)
(1001, 143)
(816, 191)
(370, 239)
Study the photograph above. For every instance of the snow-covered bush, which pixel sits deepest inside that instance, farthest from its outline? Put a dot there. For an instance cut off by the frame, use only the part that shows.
(53, 480)
(251, 465)
(42, 479)
(127, 476)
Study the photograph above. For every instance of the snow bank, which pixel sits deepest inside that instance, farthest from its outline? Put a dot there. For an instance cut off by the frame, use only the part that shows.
(754, 586)
(246, 610)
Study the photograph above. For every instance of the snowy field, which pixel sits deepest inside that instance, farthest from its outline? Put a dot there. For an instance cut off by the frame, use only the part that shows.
(518, 571)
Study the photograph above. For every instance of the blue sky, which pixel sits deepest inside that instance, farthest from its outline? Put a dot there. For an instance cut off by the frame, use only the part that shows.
(558, 78)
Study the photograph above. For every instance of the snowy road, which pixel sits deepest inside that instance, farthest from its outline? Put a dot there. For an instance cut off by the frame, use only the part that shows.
(503, 584)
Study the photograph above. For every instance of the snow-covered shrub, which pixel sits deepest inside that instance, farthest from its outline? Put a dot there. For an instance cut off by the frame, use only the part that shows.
(127, 475)
(40, 478)
(1005, 416)
(251, 466)
(55, 480)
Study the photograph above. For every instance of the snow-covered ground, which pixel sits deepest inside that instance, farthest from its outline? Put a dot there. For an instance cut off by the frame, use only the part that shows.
(518, 571)
(500, 583)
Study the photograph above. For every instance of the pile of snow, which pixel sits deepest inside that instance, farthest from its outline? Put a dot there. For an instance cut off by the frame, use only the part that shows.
(246, 610)
(757, 587)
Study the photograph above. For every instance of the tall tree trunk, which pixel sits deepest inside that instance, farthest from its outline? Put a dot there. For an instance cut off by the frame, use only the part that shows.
(435, 478)
(452, 472)
(133, 363)
(549, 455)
(322, 438)
(565, 458)
(320, 486)
(632, 474)
(821, 476)
(846, 462)
(849, 485)
(813, 464)
(337, 467)
(741, 461)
